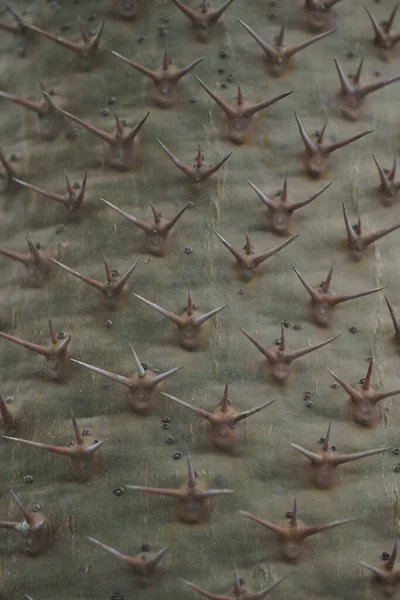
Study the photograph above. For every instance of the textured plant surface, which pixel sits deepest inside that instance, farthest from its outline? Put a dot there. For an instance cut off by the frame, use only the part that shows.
(150, 449)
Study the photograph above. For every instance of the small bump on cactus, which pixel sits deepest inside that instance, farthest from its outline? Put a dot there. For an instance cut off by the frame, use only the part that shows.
(238, 591)
(364, 402)
(223, 420)
(157, 232)
(352, 94)
(384, 39)
(193, 497)
(198, 172)
(112, 290)
(85, 460)
(56, 353)
(142, 563)
(246, 263)
(323, 300)
(141, 392)
(278, 55)
(192, 326)
(293, 533)
(240, 113)
(316, 156)
(163, 89)
(389, 184)
(35, 528)
(323, 466)
(280, 213)
(281, 359)
(357, 242)
(123, 149)
(318, 14)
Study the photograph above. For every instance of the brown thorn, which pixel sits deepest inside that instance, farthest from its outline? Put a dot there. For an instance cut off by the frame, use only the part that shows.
(162, 376)
(215, 168)
(187, 170)
(297, 205)
(9, 169)
(379, 33)
(120, 378)
(78, 434)
(252, 110)
(275, 528)
(373, 87)
(248, 413)
(353, 393)
(227, 108)
(357, 76)
(336, 145)
(392, 559)
(327, 282)
(189, 307)
(265, 255)
(396, 323)
(377, 235)
(199, 411)
(98, 285)
(315, 458)
(225, 399)
(309, 144)
(173, 221)
(191, 473)
(268, 48)
(294, 354)
(279, 41)
(29, 345)
(193, 15)
(61, 450)
(28, 515)
(166, 313)
(15, 256)
(345, 458)
(138, 222)
(144, 70)
(122, 282)
(347, 88)
(269, 203)
(109, 277)
(367, 381)
(219, 11)
(293, 519)
(292, 50)
(351, 234)
(313, 293)
(315, 529)
(392, 174)
(174, 493)
(325, 446)
(53, 335)
(263, 349)
(344, 298)
(131, 136)
(198, 321)
(29, 104)
(57, 197)
(231, 249)
(185, 70)
(282, 341)
(107, 137)
(248, 246)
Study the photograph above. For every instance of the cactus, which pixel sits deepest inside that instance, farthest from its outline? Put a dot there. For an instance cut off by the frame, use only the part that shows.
(148, 148)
